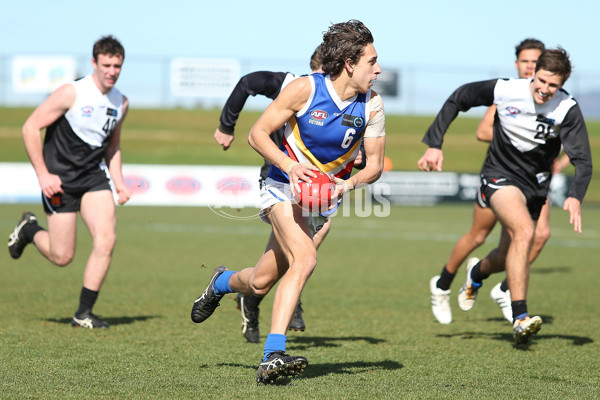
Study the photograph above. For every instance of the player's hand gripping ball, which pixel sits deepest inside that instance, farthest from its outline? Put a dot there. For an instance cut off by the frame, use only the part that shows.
(316, 196)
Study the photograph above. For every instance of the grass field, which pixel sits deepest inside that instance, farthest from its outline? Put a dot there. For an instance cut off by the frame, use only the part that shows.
(370, 332)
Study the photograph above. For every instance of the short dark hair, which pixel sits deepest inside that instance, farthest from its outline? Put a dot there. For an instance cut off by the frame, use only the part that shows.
(343, 41)
(108, 45)
(528, 44)
(555, 61)
(316, 60)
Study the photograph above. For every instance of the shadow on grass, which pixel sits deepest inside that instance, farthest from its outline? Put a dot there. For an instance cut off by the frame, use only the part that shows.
(349, 368)
(111, 321)
(550, 270)
(507, 337)
(548, 319)
(343, 368)
(304, 342)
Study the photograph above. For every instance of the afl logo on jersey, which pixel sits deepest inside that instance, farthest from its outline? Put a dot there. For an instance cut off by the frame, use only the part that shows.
(86, 111)
(512, 111)
(317, 117)
(319, 114)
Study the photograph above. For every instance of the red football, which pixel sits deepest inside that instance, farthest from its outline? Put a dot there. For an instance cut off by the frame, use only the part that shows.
(316, 196)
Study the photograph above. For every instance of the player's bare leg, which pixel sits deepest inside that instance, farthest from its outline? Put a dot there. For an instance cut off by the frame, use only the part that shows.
(484, 221)
(542, 232)
(293, 235)
(439, 286)
(57, 243)
(99, 214)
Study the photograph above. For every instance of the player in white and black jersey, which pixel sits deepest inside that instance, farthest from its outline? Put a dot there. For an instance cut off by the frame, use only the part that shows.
(83, 121)
(268, 84)
(534, 118)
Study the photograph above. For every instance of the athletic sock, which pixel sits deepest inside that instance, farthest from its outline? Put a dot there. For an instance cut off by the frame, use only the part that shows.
(519, 309)
(445, 280)
(477, 276)
(275, 342)
(87, 299)
(222, 283)
(29, 230)
(252, 302)
(504, 285)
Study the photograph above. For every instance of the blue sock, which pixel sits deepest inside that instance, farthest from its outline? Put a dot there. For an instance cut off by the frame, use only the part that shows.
(521, 316)
(275, 342)
(222, 283)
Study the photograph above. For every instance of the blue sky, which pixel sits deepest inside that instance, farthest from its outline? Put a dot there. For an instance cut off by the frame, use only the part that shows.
(462, 34)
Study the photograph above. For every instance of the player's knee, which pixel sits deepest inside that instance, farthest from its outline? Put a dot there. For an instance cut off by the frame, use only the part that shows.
(542, 235)
(305, 264)
(61, 259)
(260, 287)
(479, 238)
(525, 234)
(105, 243)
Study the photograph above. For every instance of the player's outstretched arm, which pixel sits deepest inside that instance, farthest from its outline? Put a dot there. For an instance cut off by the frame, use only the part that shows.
(265, 83)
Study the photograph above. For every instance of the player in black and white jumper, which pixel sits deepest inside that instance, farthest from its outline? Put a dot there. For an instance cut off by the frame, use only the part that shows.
(83, 121)
(534, 118)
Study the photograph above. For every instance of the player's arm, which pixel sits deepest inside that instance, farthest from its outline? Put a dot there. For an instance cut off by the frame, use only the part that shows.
(462, 99)
(373, 146)
(114, 158)
(265, 83)
(55, 106)
(289, 101)
(575, 140)
(485, 130)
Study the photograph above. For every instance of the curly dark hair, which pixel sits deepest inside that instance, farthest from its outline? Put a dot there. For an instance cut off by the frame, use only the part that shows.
(108, 45)
(343, 41)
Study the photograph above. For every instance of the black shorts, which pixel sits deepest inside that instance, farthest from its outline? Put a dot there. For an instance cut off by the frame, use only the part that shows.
(69, 201)
(490, 184)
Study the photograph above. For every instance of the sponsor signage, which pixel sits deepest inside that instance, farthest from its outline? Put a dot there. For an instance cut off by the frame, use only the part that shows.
(41, 75)
(203, 77)
(238, 186)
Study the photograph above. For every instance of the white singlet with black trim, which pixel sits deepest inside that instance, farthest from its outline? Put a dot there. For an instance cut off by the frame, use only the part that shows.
(527, 136)
(74, 145)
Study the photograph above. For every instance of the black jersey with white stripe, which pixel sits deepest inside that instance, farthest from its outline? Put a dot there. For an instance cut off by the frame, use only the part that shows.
(527, 136)
(74, 144)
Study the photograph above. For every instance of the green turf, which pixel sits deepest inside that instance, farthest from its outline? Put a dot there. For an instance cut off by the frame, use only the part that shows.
(370, 332)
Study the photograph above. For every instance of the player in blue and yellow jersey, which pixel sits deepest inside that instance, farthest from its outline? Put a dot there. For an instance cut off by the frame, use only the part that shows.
(268, 84)
(328, 116)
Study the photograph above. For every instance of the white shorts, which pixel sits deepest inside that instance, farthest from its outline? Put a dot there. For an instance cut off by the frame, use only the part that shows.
(273, 192)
